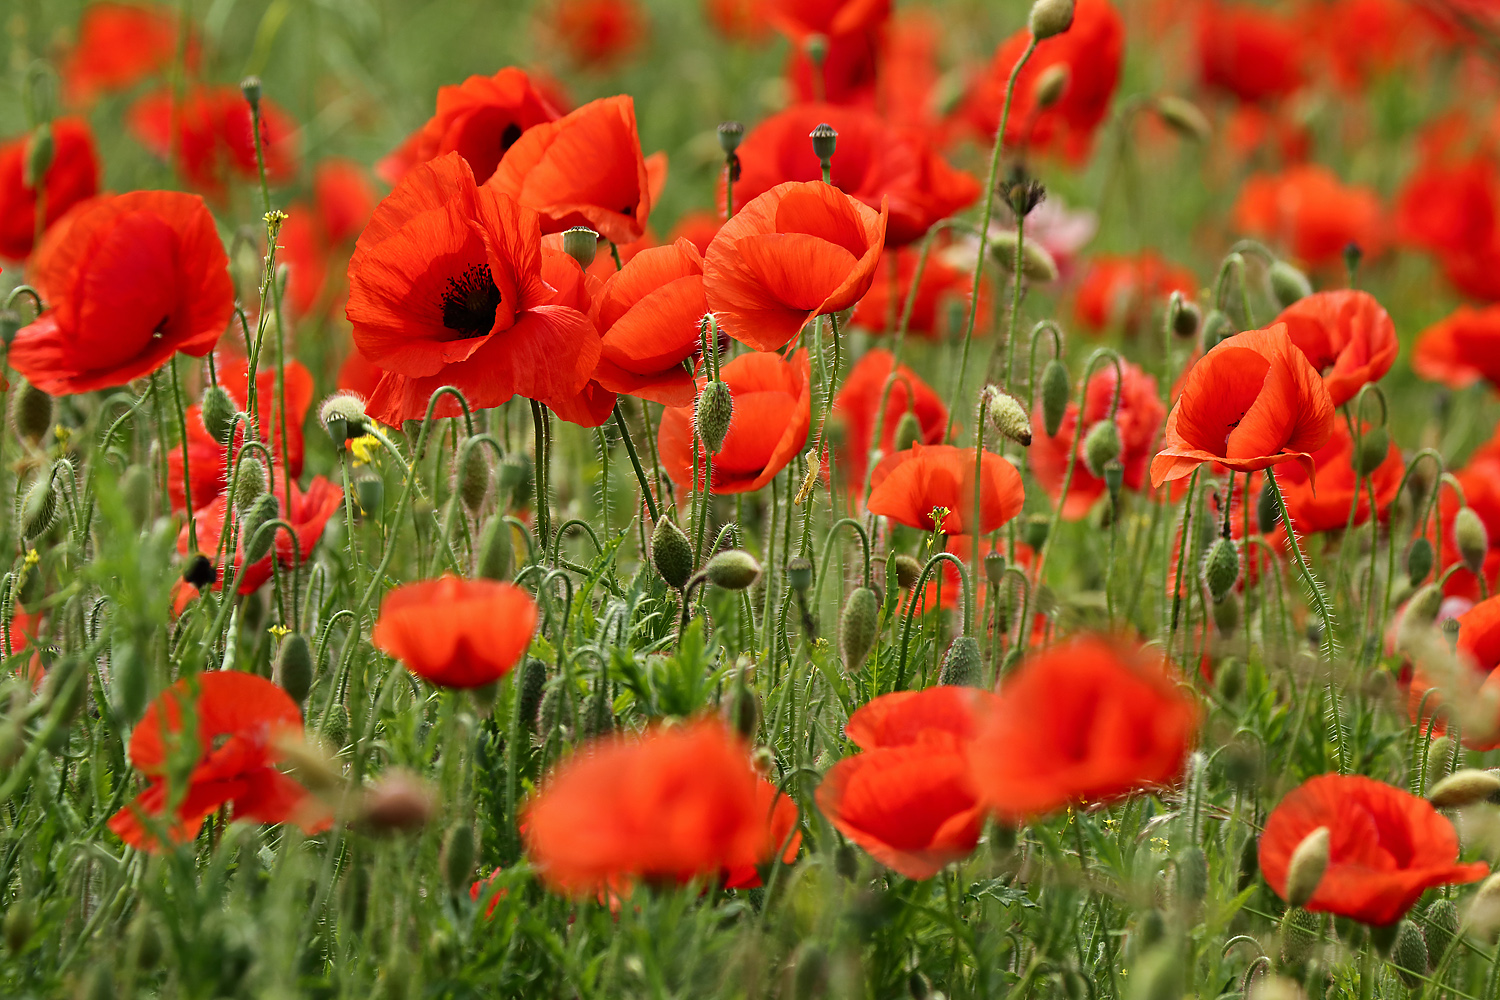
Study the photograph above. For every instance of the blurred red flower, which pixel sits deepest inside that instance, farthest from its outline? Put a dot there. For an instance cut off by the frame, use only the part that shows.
(1480, 480)
(909, 799)
(1460, 349)
(1391, 33)
(670, 804)
(1086, 721)
(1091, 51)
(1306, 209)
(1327, 507)
(1120, 290)
(72, 177)
(1473, 692)
(454, 632)
(772, 411)
(240, 718)
(942, 285)
(210, 140)
(800, 250)
(1250, 51)
(908, 485)
(649, 315)
(1450, 206)
(1346, 335)
(599, 34)
(1386, 847)
(308, 516)
(858, 403)
(446, 288)
(698, 226)
(120, 44)
(316, 239)
(129, 280)
(1138, 418)
(1252, 402)
(743, 20)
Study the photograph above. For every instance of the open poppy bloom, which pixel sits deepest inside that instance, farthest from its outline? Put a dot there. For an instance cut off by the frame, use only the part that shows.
(1386, 847)
(1252, 402)
(875, 161)
(239, 718)
(858, 403)
(767, 428)
(480, 119)
(1085, 721)
(72, 177)
(1461, 349)
(1346, 335)
(942, 285)
(454, 632)
(599, 33)
(446, 288)
(800, 250)
(214, 141)
(129, 280)
(1138, 417)
(120, 44)
(909, 485)
(584, 169)
(1249, 51)
(649, 314)
(667, 805)
(1327, 507)
(206, 455)
(1121, 291)
(1092, 52)
(1309, 211)
(908, 799)
(308, 516)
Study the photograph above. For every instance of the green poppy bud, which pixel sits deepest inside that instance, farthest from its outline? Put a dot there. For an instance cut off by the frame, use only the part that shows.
(1472, 539)
(473, 475)
(672, 553)
(1050, 17)
(136, 487)
(1462, 788)
(1373, 448)
(128, 681)
(249, 482)
(1226, 613)
(369, 495)
(1353, 254)
(1036, 263)
(1055, 389)
(1301, 930)
(1305, 869)
(1288, 284)
(30, 412)
(41, 147)
(217, 411)
(1034, 530)
(1409, 954)
(582, 244)
(1186, 318)
(799, 573)
(1221, 568)
(908, 571)
(1442, 928)
(495, 549)
(963, 663)
(908, 432)
(1419, 560)
(1183, 117)
(38, 508)
(1192, 876)
(1008, 416)
(1267, 510)
(1051, 84)
(458, 857)
(257, 543)
(732, 569)
(1216, 329)
(294, 667)
(533, 683)
(1100, 446)
(857, 626)
(712, 414)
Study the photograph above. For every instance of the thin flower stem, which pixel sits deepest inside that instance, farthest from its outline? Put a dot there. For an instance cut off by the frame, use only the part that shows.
(187, 476)
(635, 463)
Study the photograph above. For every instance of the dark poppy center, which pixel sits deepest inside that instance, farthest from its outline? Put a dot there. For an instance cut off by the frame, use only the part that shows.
(508, 137)
(470, 301)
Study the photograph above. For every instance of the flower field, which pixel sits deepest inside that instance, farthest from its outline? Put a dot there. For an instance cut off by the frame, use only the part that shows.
(750, 499)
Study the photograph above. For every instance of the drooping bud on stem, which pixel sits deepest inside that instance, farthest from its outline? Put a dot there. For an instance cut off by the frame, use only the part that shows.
(908, 432)
(1221, 568)
(1008, 416)
(1055, 388)
(1305, 869)
(1288, 284)
(711, 415)
(1051, 83)
(1183, 117)
(249, 482)
(31, 413)
(217, 411)
(1464, 788)
(672, 553)
(1373, 448)
(1418, 560)
(962, 663)
(257, 543)
(294, 667)
(473, 475)
(38, 506)
(1185, 316)
(1472, 539)
(496, 549)
(732, 569)
(1050, 17)
(1101, 446)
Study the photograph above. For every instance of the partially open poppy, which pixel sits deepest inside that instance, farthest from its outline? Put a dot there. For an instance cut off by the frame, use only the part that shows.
(308, 516)
(455, 632)
(120, 44)
(670, 804)
(129, 280)
(72, 177)
(1122, 291)
(1308, 210)
(1251, 402)
(767, 428)
(1346, 335)
(1461, 349)
(1386, 847)
(1085, 721)
(908, 799)
(858, 403)
(909, 485)
(238, 719)
(1249, 51)
(446, 288)
(584, 169)
(480, 119)
(649, 315)
(210, 139)
(800, 250)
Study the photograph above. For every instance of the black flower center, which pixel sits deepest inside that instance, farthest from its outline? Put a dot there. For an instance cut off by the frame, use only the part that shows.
(470, 301)
(508, 137)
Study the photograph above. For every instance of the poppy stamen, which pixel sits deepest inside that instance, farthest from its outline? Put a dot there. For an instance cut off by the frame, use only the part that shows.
(470, 302)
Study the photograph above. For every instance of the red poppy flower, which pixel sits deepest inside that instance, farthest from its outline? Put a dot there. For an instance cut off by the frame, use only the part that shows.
(206, 455)
(1138, 418)
(768, 427)
(129, 280)
(1122, 290)
(1391, 35)
(214, 141)
(1451, 207)
(799, 19)
(240, 718)
(1252, 129)
(119, 45)
(73, 177)
(455, 632)
(743, 20)
(875, 162)
(1386, 847)
(909, 799)
(599, 33)
(1249, 51)
(850, 71)
(1086, 721)
(1327, 507)
(649, 314)
(909, 484)
(671, 804)
(358, 375)
(313, 236)
(858, 402)
(308, 516)
(800, 250)
(1346, 335)
(480, 119)
(942, 285)
(698, 227)
(585, 169)
(1252, 402)
(446, 288)
(1472, 690)
(1461, 349)
(1308, 210)
(781, 812)
(1091, 50)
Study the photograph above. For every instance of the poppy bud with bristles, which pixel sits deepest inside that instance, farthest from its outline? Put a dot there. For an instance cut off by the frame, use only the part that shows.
(1217, 328)
(1373, 448)
(40, 149)
(496, 549)
(294, 667)
(1183, 117)
(1442, 928)
(529, 696)
(1472, 539)
(457, 856)
(1050, 17)
(730, 134)
(857, 624)
(343, 415)
(1055, 389)
(257, 543)
(732, 569)
(249, 482)
(1051, 83)
(31, 413)
(711, 415)
(1301, 930)
(1418, 560)
(799, 573)
(1186, 316)
(962, 664)
(672, 553)
(1305, 870)
(38, 508)
(1009, 416)
(217, 411)
(908, 432)
(473, 475)
(1288, 284)
(1101, 446)
(1221, 568)
(1037, 264)
(908, 571)
(1463, 788)
(1409, 954)
(582, 244)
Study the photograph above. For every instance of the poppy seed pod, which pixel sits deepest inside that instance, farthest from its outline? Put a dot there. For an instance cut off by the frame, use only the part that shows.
(672, 553)
(1050, 17)
(582, 244)
(1463, 788)
(1037, 264)
(908, 432)
(1008, 416)
(1301, 931)
(730, 135)
(1442, 928)
(257, 543)
(1114, 479)
(533, 683)
(41, 148)
(250, 87)
(712, 414)
(217, 410)
(799, 573)
(994, 567)
(1288, 284)
(1183, 117)
(1055, 389)
(1308, 863)
(31, 413)
(343, 416)
(908, 571)
(294, 667)
(249, 482)
(473, 475)
(857, 626)
(1471, 538)
(1101, 446)
(495, 549)
(1418, 560)
(1221, 568)
(1373, 448)
(824, 141)
(458, 857)
(38, 507)
(1410, 954)
(963, 663)
(1051, 83)
(732, 569)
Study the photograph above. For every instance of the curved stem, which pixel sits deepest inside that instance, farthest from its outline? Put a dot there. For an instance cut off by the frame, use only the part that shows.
(915, 595)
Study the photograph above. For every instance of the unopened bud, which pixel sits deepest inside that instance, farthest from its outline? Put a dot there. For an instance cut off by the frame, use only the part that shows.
(397, 803)
(1419, 560)
(1472, 539)
(217, 411)
(294, 667)
(732, 569)
(1267, 510)
(1186, 317)
(529, 698)
(1288, 284)
(1221, 568)
(1442, 928)
(1226, 614)
(1192, 876)
(1050, 17)
(1217, 328)
(128, 683)
(40, 149)
(255, 542)
(458, 856)
(1183, 117)
(249, 482)
(963, 663)
(1037, 264)
(672, 553)
(857, 626)
(1464, 788)
(712, 414)
(1373, 447)
(1101, 446)
(908, 432)
(496, 549)
(1008, 416)
(908, 571)
(1301, 930)
(730, 134)
(1409, 954)
(799, 573)
(31, 412)
(343, 415)
(582, 244)
(1055, 389)
(1050, 86)
(1305, 870)
(38, 508)
(473, 475)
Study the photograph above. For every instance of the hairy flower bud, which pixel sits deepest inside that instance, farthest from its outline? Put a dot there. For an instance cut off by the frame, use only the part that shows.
(1036, 264)
(128, 685)
(495, 549)
(1471, 538)
(1051, 83)
(41, 147)
(672, 553)
(908, 571)
(217, 410)
(582, 244)
(1217, 328)
(458, 856)
(1055, 389)
(994, 567)
(38, 509)
(1418, 560)
(1221, 568)
(1101, 446)
(1183, 117)
(343, 415)
(711, 415)
(1305, 870)
(1463, 788)
(255, 542)
(1050, 17)
(529, 697)
(1300, 932)
(1409, 954)
(962, 664)
(294, 667)
(732, 569)
(1373, 446)
(908, 432)
(249, 482)
(30, 412)
(1442, 928)
(857, 626)
(1008, 416)
(473, 475)
(1288, 284)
